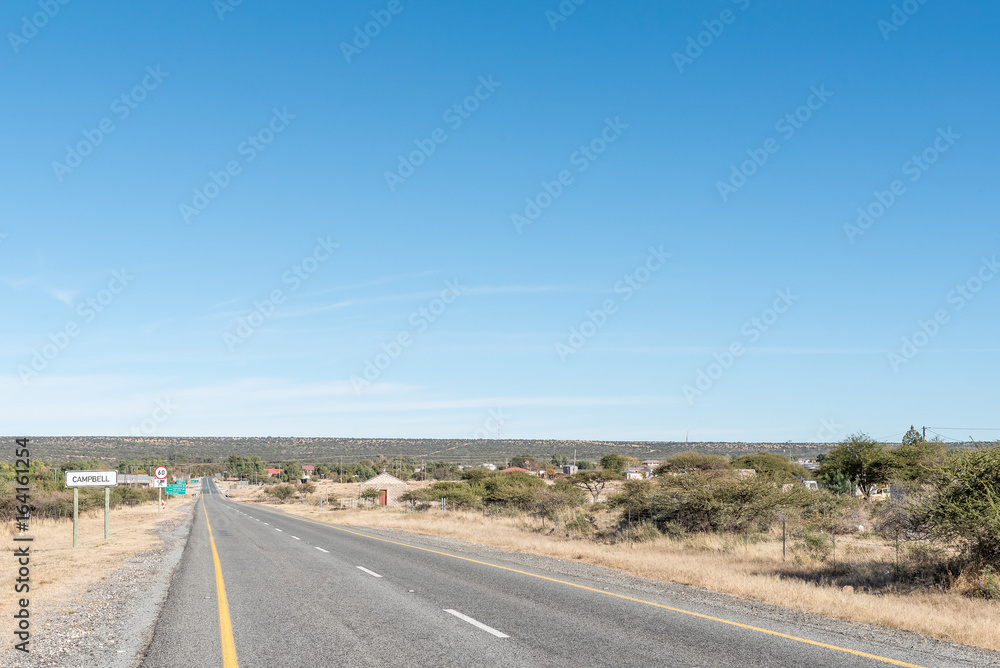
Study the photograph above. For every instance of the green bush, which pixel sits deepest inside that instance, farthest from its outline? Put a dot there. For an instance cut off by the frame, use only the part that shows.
(645, 532)
(987, 584)
(779, 467)
(282, 492)
(707, 501)
(580, 522)
(549, 500)
(816, 544)
(514, 488)
(685, 462)
(456, 494)
(965, 505)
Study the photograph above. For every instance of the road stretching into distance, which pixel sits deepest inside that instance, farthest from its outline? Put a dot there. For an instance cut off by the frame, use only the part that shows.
(256, 587)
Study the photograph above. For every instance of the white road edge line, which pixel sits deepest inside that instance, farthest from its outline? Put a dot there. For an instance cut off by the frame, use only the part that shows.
(466, 618)
(371, 573)
(322, 550)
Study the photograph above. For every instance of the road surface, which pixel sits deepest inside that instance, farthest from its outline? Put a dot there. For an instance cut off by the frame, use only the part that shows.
(257, 588)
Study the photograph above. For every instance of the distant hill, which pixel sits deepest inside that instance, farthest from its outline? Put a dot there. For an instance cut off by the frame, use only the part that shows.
(60, 449)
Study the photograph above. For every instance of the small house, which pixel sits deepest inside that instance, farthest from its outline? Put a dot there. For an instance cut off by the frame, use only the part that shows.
(389, 486)
(135, 480)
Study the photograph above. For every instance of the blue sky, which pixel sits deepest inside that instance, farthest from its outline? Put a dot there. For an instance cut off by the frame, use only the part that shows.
(630, 222)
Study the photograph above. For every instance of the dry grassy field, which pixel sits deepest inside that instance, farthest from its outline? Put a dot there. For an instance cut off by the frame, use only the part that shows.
(59, 572)
(750, 570)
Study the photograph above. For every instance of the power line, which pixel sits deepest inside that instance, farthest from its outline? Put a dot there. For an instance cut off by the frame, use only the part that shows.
(947, 437)
(966, 428)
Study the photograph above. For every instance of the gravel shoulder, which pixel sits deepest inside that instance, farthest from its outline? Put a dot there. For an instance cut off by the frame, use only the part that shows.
(111, 623)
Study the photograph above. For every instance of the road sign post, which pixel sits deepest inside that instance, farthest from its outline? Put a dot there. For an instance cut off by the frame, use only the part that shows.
(76, 516)
(160, 480)
(78, 479)
(107, 513)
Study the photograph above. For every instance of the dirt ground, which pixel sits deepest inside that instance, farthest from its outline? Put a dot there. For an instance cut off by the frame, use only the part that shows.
(58, 571)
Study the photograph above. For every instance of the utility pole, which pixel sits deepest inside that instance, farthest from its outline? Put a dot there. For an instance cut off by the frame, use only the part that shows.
(925, 433)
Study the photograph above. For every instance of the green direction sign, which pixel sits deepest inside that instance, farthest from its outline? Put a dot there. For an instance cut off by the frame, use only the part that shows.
(194, 481)
(177, 488)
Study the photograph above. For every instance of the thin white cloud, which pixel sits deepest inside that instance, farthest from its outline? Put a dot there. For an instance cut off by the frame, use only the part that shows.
(110, 405)
(368, 284)
(65, 296)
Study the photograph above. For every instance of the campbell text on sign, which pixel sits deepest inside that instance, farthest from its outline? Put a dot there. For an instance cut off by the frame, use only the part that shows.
(91, 478)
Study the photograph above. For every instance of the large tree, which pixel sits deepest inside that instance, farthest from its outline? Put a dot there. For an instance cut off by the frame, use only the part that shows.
(594, 481)
(912, 436)
(863, 460)
(614, 462)
(919, 460)
(291, 471)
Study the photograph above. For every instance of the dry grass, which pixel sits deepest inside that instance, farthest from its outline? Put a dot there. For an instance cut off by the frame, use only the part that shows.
(747, 570)
(59, 572)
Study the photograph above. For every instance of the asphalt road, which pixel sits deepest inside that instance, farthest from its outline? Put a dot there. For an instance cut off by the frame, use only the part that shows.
(298, 593)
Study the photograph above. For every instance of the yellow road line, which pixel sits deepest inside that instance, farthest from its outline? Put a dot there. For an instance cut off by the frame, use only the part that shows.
(225, 624)
(846, 650)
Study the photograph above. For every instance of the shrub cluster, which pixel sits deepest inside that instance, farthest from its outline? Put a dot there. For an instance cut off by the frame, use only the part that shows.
(513, 490)
(715, 500)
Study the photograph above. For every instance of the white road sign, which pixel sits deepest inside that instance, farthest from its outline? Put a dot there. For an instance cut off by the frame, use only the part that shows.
(91, 478)
(159, 483)
(160, 473)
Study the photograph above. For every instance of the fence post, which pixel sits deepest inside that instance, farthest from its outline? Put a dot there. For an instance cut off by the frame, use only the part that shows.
(897, 555)
(782, 539)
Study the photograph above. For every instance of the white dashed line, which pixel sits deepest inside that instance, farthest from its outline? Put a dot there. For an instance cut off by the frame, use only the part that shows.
(371, 573)
(277, 529)
(296, 538)
(488, 629)
(322, 550)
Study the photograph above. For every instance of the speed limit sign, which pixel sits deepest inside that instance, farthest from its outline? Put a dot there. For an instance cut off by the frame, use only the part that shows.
(160, 473)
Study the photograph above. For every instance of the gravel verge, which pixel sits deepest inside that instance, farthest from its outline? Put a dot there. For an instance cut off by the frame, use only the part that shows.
(111, 624)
